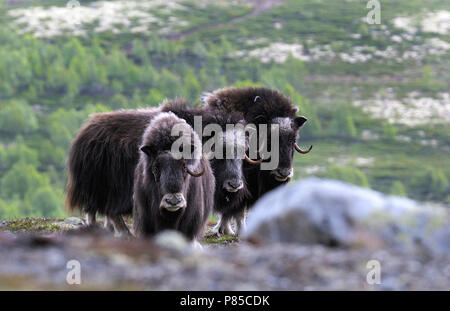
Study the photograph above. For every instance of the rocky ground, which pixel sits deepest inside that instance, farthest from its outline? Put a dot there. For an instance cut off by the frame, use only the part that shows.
(330, 245)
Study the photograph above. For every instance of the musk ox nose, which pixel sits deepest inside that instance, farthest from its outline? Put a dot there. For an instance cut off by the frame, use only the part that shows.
(173, 202)
(282, 174)
(233, 185)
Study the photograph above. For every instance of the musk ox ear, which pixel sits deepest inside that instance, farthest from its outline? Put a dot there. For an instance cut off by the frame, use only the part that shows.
(147, 150)
(299, 121)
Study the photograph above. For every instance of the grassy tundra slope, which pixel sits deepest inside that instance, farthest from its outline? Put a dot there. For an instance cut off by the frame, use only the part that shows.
(377, 96)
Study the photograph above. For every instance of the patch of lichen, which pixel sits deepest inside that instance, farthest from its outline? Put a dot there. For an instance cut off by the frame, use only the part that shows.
(222, 240)
(31, 225)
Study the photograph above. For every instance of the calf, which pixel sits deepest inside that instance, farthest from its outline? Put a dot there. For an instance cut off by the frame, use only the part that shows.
(171, 192)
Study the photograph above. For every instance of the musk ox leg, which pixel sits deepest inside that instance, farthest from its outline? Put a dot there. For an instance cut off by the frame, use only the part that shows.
(108, 224)
(120, 227)
(241, 222)
(90, 219)
(223, 227)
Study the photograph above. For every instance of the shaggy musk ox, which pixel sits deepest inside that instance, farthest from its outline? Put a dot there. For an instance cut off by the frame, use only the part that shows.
(171, 192)
(231, 187)
(103, 157)
(101, 163)
(231, 191)
(263, 106)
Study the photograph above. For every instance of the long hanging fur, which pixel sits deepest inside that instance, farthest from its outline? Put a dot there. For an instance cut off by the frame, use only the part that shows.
(225, 203)
(102, 159)
(149, 218)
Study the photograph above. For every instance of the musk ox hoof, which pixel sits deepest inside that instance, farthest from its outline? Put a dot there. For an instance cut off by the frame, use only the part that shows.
(223, 229)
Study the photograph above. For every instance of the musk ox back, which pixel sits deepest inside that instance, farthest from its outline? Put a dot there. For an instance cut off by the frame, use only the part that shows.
(173, 186)
(263, 106)
(101, 164)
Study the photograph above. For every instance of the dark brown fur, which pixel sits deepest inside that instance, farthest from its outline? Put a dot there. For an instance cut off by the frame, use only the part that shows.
(271, 103)
(103, 157)
(158, 173)
(226, 203)
(260, 105)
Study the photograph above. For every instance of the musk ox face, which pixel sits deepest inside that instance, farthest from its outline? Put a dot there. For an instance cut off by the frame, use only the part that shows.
(228, 174)
(228, 167)
(170, 176)
(288, 136)
(166, 167)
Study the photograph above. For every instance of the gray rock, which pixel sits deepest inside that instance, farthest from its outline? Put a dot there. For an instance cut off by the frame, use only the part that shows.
(335, 213)
(75, 221)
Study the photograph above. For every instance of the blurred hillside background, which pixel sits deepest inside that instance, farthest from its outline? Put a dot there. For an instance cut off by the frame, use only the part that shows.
(377, 96)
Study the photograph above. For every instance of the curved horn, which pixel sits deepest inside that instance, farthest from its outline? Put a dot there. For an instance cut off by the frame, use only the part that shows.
(297, 148)
(195, 174)
(253, 161)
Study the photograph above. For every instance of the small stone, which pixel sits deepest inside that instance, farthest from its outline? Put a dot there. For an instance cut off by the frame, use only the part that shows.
(75, 221)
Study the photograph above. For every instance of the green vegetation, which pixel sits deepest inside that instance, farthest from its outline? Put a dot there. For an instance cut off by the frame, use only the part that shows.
(222, 240)
(49, 87)
(32, 225)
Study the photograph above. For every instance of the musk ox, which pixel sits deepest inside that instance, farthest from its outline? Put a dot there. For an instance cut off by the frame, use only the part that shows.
(261, 105)
(172, 191)
(104, 154)
(231, 191)
(101, 163)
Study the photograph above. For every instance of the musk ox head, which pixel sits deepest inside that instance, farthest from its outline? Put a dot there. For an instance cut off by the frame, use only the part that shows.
(288, 136)
(265, 106)
(228, 167)
(171, 152)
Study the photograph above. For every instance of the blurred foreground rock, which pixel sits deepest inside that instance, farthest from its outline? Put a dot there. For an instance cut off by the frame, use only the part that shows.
(321, 237)
(332, 213)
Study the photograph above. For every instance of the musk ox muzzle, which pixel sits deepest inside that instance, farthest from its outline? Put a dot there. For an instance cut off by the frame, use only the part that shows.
(173, 202)
(283, 174)
(233, 185)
